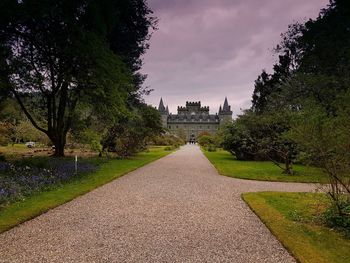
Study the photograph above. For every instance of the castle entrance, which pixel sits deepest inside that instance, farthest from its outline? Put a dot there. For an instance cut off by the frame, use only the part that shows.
(192, 139)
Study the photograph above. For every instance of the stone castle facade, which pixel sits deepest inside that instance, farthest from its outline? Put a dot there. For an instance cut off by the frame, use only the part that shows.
(193, 119)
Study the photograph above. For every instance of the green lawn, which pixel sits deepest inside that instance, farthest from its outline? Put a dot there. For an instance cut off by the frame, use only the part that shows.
(35, 205)
(227, 165)
(294, 219)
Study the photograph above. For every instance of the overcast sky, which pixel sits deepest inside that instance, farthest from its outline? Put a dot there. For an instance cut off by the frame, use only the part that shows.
(208, 49)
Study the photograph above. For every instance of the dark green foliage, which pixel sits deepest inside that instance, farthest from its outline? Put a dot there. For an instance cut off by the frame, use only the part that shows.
(167, 139)
(325, 42)
(326, 140)
(237, 141)
(338, 216)
(311, 84)
(208, 141)
(262, 90)
(57, 54)
(131, 134)
(255, 136)
(211, 148)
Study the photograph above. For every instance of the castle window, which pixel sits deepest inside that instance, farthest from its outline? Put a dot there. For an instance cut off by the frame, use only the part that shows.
(169, 127)
(177, 126)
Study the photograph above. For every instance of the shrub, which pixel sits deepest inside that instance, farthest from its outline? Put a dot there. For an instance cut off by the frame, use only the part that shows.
(211, 148)
(92, 139)
(168, 148)
(168, 139)
(338, 216)
(206, 140)
(325, 138)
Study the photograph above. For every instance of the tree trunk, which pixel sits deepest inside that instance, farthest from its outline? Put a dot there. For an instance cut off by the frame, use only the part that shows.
(60, 143)
(288, 166)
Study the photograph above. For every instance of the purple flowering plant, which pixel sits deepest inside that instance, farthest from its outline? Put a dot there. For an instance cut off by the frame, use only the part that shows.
(19, 179)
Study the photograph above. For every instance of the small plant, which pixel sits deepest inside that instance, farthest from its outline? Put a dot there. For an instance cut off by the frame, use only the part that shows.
(340, 221)
(211, 148)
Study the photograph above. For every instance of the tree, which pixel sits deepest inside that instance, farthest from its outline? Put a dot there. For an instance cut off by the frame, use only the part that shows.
(319, 50)
(91, 138)
(311, 85)
(24, 131)
(132, 132)
(236, 140)
(255, 136)
(326, 141)
(262, 89)
(56, 53)
(4, 133)
(206, 140)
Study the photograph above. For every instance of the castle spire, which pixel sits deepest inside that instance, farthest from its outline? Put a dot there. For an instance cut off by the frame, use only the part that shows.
(226, 106)
(161, 107)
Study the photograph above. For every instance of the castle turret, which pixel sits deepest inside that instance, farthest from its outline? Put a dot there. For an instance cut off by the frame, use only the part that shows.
(225, 113)
(164, 112)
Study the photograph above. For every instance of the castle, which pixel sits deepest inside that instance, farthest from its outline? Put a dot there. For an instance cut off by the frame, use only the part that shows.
(193, 119)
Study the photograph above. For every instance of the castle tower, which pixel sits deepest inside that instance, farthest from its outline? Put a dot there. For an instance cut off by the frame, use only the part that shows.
(164, 112)
(225, 113)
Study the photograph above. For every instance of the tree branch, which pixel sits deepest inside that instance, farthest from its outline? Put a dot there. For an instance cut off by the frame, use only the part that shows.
(26, 112)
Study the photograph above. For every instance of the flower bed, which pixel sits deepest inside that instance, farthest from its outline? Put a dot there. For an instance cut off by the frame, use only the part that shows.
(22, 178)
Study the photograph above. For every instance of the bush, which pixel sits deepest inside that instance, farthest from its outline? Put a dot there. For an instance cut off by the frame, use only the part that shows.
(91, 138)
(325, 139)
(237, 141)
(168, 148)
(338, 216)
(211, 148)
(206, 140)
(168, 139)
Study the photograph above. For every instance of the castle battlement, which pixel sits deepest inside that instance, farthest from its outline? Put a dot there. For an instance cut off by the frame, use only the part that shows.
(193, 103)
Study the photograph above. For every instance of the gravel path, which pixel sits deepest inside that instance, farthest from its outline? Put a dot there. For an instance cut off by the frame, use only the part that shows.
(176, 209)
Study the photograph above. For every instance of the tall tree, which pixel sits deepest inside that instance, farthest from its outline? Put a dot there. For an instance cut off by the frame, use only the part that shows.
(54, 53)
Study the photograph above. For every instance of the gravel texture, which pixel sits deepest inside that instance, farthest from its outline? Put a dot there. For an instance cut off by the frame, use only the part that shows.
(176, 209)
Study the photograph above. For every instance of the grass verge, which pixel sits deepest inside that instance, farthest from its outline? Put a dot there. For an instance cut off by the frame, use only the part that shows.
(294, 218)
(227, 165)
(21, 211)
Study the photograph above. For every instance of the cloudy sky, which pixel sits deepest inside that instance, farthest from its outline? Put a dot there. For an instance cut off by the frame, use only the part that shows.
(208, 49)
